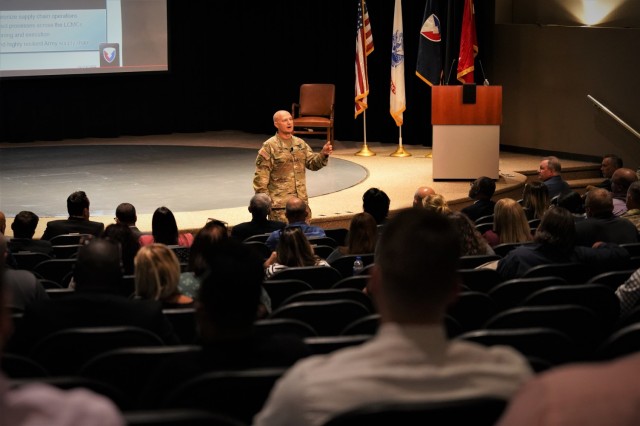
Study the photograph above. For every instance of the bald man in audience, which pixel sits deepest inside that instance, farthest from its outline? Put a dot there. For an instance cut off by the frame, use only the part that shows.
(621, 179)
(421, 193)
(633, 204)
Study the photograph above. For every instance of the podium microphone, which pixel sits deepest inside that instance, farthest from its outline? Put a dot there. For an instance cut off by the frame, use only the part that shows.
(486, 82)
(450, 69)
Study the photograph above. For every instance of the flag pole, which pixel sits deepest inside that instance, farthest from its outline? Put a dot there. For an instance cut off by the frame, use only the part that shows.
(400, 152)
(365, 151)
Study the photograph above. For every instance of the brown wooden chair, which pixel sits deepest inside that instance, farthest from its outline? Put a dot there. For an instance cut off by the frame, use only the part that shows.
(313, 114)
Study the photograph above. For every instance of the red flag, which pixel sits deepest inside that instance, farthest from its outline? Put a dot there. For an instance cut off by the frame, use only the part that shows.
(364, 46)
(468, 44)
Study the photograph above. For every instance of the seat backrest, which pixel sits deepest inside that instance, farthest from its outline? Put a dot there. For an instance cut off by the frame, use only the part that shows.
(366, 325)
(29, 259)
(321, 345)
(65, 251)
(183, 321)
(481, 279)
(338, 234)
(271, 326)
(472, 309)
(327, 317)
(613, 279)
(54, 269)
(17, 366)
(620, 343)
(258, 237)
(322, 250)
(317, 99)
(317, 277)
(504, 248)
(65, 351)
(485, 411)
(129, 369)
(484, 219)
(73, 238)
(572, 272)
(280, 289)
(344, 264)
(539, 342)
(513, 292)
(632, 248)
(178, 417)
(323, 241)
(260, 248)
(331, 294)
(472, 261)
(358, 282)
(238, 393)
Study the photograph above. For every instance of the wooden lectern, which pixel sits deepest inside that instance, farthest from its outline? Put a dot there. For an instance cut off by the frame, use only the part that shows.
(466, 136)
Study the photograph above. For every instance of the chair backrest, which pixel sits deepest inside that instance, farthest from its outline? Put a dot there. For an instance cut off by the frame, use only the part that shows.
(280, 289)
(620, 343)
(327, 317)
(504, 248)
(332, 294)
(321, 345)
(55, 293)
(317, 277)
(258, 237)
(29, 259)
(484, 219)
(572, 272)
(632, 248)
(322, 241)
(472, 261)
(17, 366)
(338, 234)
(183, 321)
(366, 325)
(182, 252)
(481, 279)
(344, 264)
(485, 411)
(513, 292)
(64, 351)
(581, 324)
(539, 342)
(271, 326)
(472, 309)
(65, 251)
(129, 369)
(322, 250)
(359, 282)
(484, 227)
(317, 99)
(601, 299)
(65, 239)
(260, 248)
(237, 393)
(54, 269)
(613, 279)
(178, 417)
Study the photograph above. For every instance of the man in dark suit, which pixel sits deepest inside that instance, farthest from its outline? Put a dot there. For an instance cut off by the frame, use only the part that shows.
(126, 213)
(259, 207)
(601, 224)
(78, 221)
(96, 302)
(482, 189)
(550, 172)
(24, 226)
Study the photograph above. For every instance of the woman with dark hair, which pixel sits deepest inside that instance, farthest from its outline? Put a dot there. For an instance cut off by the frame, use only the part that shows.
(376, 202)
(554, 242)
(361, 239)
(164, 230)
(293, 250)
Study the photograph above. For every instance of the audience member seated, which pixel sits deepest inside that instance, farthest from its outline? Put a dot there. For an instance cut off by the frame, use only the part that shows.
(3, 223)
(550, 172)
(601, 224)
(293, 250)
(436, 203)
(78, 221)
(361, 239)
(129, 243)
(296, 212)
(573, 202)
(226, 311)
(481, 191)
(420, 194)
(164, 230)
(259, 207)
(587, 394)
(96, 302)
(23, 286)
(535, 199)
(409, 359)
(471, 242)
(376, 202)
(554, 242)
(610, 163)
(126, 214)
(24, 227)
(629, 294)
(41, 404)
(510, 224)
(621, 179)
(157, 272)
(633, 205)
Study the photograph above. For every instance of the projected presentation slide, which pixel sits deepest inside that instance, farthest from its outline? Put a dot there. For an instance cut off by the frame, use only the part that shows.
(49, 37)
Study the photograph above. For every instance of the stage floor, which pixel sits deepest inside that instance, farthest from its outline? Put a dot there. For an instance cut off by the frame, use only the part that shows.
(205, 175)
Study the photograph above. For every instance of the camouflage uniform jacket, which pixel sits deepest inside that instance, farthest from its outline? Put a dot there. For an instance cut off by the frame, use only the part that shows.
(280, 169)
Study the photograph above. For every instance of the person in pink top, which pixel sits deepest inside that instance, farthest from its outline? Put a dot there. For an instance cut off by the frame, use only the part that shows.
(164, 230)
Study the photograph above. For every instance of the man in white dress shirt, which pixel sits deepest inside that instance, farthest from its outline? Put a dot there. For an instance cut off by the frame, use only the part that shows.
(410, 359)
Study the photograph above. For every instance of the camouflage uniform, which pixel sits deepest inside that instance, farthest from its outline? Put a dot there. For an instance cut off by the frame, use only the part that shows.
(280, 171)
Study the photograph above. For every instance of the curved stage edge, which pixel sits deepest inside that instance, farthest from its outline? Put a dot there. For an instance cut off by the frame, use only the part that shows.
(397, 176)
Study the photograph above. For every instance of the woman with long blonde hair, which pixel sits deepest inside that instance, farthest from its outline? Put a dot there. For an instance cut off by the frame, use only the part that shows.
(510, 224)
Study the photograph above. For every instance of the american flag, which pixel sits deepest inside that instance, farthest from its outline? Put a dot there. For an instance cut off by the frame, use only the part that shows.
(364, 46)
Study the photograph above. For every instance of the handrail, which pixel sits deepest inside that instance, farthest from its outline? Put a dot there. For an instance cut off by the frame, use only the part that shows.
(615, 117)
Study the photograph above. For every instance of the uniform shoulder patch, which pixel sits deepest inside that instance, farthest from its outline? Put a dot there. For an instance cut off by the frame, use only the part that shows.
(263, 154)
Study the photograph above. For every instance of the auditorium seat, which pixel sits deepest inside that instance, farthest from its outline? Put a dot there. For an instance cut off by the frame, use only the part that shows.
(480, 279)
(472, 309)
(331, 294)
(280, 289)
(318, 277)
(513, 292)
(327, 317)
(344, 264)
